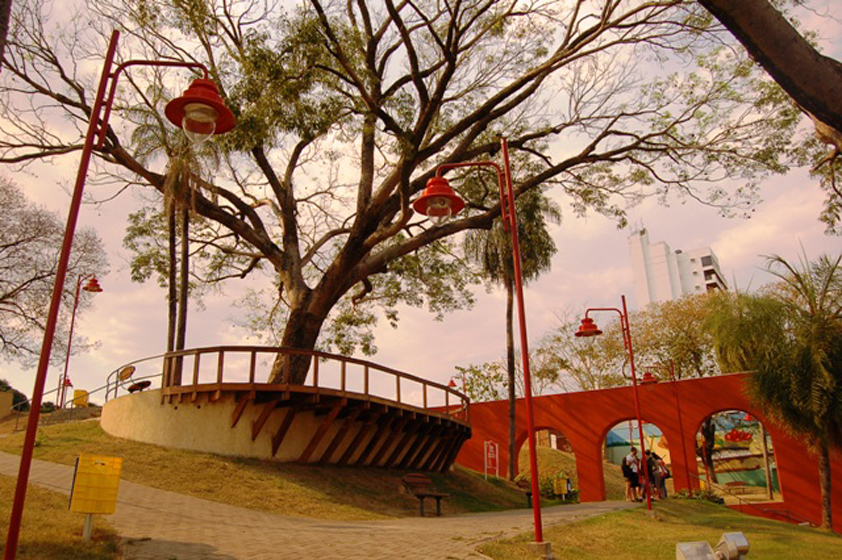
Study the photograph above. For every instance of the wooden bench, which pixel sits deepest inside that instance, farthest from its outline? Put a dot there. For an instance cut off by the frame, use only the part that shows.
(526, 487)
(422, 487)
(738, 487)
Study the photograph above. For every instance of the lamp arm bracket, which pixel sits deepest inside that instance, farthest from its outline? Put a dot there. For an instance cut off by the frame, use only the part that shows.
(114, 76)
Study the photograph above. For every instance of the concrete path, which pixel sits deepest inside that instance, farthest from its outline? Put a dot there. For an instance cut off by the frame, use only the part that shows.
(163, 525)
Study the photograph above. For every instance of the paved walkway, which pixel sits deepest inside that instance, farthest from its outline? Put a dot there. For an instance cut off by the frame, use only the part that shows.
(163, 525)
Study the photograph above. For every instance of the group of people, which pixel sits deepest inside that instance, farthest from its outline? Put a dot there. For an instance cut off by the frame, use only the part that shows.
(656, 469)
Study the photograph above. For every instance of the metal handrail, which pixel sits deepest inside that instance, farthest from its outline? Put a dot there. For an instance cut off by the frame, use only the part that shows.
(790, 515)
(454, 402)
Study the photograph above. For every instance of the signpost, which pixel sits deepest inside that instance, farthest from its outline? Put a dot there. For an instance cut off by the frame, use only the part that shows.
(492, 458)
(95, 484)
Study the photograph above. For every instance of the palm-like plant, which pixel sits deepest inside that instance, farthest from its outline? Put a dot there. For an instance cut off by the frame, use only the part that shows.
(791, 337)
(492, 249)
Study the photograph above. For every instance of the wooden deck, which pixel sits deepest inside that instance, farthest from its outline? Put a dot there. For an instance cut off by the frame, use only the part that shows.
(368, 415)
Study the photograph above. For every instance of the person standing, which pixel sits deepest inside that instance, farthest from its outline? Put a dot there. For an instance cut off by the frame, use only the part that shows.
(634, 474)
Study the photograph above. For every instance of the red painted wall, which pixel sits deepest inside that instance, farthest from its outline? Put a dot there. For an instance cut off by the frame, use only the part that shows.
(585, 418)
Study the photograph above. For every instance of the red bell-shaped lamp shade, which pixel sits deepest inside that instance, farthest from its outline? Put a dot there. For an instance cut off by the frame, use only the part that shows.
(200, 112)
(438, 201)
(588, 328)
(452, 384)
(648, 378)
(92, 285)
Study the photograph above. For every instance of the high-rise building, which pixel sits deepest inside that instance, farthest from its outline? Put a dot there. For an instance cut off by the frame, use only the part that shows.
(661, 274)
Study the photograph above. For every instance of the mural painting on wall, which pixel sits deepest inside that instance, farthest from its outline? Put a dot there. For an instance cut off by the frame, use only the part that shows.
(624, 435)
(738, 453)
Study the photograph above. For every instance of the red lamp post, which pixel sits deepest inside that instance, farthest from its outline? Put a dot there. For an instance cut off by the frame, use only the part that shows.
(201, 113)
(63, 382)
(439, 201)
(589, 328)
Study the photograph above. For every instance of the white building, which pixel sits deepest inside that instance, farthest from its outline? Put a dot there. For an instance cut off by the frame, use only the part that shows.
(662, 275)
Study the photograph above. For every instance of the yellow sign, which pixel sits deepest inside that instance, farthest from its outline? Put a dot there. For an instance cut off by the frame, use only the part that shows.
(80, 398)
(95, 484)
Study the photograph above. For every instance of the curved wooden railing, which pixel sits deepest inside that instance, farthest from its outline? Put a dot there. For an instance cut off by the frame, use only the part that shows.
(252, 365)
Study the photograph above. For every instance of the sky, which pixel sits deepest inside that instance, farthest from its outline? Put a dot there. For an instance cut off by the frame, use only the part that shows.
(592, 268)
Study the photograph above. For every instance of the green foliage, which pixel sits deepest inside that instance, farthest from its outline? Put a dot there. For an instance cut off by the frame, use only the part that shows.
(791, 337)
(704, 495)
(673, 331)
(19, 400)
(582, 364)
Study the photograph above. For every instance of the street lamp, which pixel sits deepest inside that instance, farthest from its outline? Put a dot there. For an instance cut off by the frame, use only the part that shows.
(440, 202)
(93, 287)
(588, 328)
(671, 371)
(194, 112)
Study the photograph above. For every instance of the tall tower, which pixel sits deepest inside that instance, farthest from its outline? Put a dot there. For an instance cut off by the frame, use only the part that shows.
(661, 274)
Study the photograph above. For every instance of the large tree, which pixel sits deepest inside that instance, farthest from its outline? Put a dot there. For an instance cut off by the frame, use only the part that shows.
(791, 337)
(345, 109)
(813, 80)
(30, 239)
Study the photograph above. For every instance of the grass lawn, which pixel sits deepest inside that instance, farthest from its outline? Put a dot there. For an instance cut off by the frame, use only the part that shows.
(290, 489)
(631, 534)
(49, 530)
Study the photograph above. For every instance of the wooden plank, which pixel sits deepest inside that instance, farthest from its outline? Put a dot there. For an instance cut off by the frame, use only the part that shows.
(424, 433)
(450, 456)
(434, 454)
(279, 436)
(395, 431)
(340, 435)
(372, 443)
(399, 449)
(322, 430)
(238, 410)
(258, 424)
(355, 443)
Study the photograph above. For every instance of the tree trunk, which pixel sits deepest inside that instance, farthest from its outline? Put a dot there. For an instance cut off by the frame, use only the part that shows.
(825, 486)
(183, 282)
(813, 80)
(172, 290)
(301, 333)
(709, 435)
(510, 367)
(769, 489)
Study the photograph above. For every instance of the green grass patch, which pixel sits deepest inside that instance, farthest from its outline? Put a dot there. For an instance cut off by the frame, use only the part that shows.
(553, 461)
(49, 530)
(289, 489)
(631, 534)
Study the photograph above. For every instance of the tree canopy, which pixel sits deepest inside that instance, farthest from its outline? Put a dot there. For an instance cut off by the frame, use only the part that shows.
(30, 239)
(345, 109)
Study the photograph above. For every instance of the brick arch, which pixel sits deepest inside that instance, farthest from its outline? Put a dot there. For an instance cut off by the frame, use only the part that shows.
(585, 418)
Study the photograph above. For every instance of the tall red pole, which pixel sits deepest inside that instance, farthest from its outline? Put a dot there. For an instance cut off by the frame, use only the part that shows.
(624, 323)
(50, 328)
(507, 203)
(62, 381)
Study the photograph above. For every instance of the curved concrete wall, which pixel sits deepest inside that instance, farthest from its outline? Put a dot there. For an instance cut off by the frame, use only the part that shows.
(206, 426)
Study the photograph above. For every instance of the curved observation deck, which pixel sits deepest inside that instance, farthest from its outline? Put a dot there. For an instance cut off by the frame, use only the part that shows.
(345, 411)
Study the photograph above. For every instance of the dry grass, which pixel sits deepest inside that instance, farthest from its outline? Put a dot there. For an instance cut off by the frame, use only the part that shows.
(297, 490)
(49, 530)
(631, 534)
(552, 461)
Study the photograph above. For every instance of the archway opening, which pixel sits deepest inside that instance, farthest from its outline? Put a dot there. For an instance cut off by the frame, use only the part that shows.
(626, 483)
(556, 464)
(735, 458)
